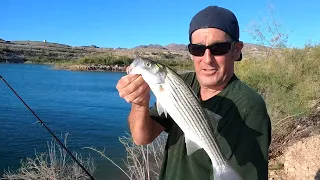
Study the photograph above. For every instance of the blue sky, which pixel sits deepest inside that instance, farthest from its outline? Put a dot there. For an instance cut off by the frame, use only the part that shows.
(127, 24)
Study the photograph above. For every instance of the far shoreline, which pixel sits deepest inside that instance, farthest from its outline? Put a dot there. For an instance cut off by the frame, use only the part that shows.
(90, 67)
(98, 68)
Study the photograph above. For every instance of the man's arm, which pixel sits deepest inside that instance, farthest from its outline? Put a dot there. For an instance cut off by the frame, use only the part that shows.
(143, 129)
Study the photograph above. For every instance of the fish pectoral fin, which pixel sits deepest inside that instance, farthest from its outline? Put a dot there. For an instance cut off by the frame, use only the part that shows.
(160, 108)
(191, 146)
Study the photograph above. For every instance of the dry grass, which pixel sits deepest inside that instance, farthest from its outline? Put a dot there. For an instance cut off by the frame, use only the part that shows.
(53, 164)
(142, 162)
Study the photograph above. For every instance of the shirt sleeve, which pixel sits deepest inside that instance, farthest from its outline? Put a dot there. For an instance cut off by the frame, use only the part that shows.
(250, 154)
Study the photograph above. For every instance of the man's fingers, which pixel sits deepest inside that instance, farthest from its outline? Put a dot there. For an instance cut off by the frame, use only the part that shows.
(134, 89)
(144, 98)
(133, 86)
(126, 80)
(139, 94)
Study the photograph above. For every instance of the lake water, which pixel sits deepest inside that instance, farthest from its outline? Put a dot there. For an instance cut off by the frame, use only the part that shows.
(84, 104)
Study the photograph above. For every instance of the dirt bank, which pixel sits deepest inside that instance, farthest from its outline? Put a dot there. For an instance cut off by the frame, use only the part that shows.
(301, 161)
(295, 151)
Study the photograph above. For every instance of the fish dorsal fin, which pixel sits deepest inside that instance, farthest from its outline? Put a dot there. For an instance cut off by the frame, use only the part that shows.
(160, 107)
(191, 146)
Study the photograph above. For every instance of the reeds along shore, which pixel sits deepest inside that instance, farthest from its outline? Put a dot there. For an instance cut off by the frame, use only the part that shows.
(98, 68)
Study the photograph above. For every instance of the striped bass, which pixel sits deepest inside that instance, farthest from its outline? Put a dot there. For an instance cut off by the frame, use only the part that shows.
(175, 97)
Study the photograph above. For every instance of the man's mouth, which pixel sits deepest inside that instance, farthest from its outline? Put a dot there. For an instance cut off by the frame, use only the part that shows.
(209, 71)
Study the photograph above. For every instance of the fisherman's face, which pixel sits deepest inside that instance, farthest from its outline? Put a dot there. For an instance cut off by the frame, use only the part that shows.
(214, 71)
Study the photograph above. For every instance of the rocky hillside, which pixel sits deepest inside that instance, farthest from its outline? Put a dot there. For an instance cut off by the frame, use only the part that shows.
(176, 47)
(21, 51)
(170, 47)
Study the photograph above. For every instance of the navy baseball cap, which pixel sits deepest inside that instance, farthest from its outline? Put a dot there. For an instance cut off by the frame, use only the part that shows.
(216, 17)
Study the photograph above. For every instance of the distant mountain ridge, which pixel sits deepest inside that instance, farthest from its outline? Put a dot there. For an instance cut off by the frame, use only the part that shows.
(176, 47)
(20, 51)
(152, 46)
(184, 47)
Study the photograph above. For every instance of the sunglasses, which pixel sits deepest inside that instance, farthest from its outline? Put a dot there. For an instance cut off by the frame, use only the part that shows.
(215, 49)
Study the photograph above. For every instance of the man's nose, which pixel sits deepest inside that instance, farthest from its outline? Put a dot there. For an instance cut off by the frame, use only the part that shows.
(208, 57)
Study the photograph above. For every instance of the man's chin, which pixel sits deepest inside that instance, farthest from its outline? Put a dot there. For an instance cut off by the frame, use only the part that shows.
(207, 81)
(208, 77)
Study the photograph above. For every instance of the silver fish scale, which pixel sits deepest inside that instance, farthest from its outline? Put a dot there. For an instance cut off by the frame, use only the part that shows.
(193, 115)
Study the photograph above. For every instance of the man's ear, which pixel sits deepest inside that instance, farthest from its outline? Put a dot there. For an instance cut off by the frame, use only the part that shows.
(191, 57)
(237, 49)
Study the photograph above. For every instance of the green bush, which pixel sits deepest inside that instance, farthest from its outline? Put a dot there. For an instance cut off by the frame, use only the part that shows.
(105, 59)
(5, 49)
(288, 80)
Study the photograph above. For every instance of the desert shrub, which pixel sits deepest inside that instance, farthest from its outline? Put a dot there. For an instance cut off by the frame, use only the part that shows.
(105, 59)
(288, 84)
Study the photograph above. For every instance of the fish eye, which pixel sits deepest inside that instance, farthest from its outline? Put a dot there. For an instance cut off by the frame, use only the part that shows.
(148, 64)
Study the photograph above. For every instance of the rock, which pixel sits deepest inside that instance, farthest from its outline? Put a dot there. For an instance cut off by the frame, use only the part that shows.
(290, 170)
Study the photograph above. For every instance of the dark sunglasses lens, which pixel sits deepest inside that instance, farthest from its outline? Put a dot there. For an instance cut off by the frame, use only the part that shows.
(196, 49)
(215, 49)
(220, 48)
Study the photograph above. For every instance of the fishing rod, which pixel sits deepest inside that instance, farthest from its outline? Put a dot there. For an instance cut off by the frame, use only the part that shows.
(52, 134)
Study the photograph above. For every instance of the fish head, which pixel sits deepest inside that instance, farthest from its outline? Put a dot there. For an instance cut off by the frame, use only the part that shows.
(151, 71)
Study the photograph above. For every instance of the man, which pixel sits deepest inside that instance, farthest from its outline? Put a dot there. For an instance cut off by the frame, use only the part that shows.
(243, 132)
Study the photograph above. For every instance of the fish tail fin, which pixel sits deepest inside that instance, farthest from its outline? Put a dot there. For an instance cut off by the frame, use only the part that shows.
(227, 173)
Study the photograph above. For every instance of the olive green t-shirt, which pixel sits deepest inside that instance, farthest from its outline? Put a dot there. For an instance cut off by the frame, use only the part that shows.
(243, 134)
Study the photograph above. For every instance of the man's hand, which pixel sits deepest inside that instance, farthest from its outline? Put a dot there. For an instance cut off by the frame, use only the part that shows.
(134, 90)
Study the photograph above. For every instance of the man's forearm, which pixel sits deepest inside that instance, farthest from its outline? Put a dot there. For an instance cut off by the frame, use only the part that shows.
(143, 129)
